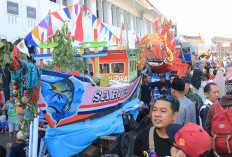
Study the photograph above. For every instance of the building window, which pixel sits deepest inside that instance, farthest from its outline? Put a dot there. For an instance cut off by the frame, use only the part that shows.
(119, 22)
(105, 12)
(12, 20)
(53, 1)
(117, 68)
(138, 25)
(114, 15)
(104, 68)
(129, 21)
(64, 2)
(31, 12)
(99, 10)
(12, 8)
(134, 23)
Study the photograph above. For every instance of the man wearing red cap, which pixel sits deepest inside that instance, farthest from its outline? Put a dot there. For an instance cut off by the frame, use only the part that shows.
(188, 140)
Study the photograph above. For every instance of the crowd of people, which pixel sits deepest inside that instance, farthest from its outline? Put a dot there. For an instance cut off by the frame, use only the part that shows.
(190, 116)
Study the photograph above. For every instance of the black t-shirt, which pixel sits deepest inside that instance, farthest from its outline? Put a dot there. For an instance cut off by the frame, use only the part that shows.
(162, 145)
(146, 92)
(162, 86)
(18, 150)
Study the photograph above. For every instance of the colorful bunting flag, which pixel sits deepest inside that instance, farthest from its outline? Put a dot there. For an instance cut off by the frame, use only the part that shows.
(66, 10)
(57, 15)
(22, 47)
(106, 30)
(47, 19)
(43, 24)
(35, 32)
(98, 22)
(101, 27)
(113, 37)
(30, 40)
(76, 8)
(110, 35)
(84, 8)
(93, 19)
(70, 9)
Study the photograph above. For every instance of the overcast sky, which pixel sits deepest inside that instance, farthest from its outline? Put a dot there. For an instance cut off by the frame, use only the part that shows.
(207, 17)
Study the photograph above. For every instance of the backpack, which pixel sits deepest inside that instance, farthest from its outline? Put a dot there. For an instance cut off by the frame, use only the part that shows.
(152, 152)
(221, 130)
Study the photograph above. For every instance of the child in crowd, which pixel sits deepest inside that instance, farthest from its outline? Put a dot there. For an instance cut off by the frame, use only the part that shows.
(3, 121)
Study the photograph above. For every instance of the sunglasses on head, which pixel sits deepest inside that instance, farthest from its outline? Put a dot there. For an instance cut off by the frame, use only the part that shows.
(166, 97)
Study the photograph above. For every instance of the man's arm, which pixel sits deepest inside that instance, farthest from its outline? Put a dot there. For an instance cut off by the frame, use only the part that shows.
(152, 95)
(140, 92)
(3, 108)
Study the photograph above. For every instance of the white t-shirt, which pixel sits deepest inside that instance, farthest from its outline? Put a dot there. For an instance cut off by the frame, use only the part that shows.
(3, 118)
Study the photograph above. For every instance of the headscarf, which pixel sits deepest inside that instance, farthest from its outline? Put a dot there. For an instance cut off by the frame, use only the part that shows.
(219, 80)
(196, 78)
(211, 75)
(229, 75)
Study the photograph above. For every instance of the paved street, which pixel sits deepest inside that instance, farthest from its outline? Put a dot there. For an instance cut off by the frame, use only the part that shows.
(4, 139)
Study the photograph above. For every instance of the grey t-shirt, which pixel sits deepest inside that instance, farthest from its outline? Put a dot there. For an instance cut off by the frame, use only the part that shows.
(187, 112)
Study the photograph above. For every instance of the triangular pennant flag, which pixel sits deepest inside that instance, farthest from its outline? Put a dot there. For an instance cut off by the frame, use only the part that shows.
(23, 48)
(57, 15)
(66, 10)
(35, 32)
(15, 51)
(110, 35)
(43, 24)
(30, 40)
(98, 22)
(81, 5)
(76, 8)
(70, 9)
(113, 37)
(106, 30)
(101, 27)
(47, 19)
(84, 8)
(79, 28)
(93, 19)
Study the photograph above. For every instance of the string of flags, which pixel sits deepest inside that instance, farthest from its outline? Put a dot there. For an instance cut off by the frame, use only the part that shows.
(55, 20)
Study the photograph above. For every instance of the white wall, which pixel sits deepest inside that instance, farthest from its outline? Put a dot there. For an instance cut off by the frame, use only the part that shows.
(139, 21)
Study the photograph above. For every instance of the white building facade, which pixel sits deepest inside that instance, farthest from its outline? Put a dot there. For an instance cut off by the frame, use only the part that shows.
(19, 17)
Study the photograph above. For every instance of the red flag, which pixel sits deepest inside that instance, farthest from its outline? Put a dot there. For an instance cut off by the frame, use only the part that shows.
(138, 39)
(122, 29)
(79, 28)
(84, 8)
(15, 51)
(50, 31)
(57, 15)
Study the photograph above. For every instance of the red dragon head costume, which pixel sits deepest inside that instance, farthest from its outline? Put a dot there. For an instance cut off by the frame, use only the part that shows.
(157, 51)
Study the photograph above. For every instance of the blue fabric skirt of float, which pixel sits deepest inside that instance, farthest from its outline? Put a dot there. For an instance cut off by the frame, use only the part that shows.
(71, 139)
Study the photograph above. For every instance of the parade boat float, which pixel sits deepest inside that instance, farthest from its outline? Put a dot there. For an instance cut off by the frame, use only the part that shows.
(77, 111)
(158, 51)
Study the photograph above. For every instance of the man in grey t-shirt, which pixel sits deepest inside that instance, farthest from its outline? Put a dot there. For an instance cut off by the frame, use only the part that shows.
(187, 111)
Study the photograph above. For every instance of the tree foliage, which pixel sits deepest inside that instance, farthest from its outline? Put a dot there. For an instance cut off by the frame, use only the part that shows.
(63, 54)
(6, 56)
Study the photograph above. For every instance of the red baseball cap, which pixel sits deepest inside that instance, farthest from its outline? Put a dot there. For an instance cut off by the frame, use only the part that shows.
(190, 138)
